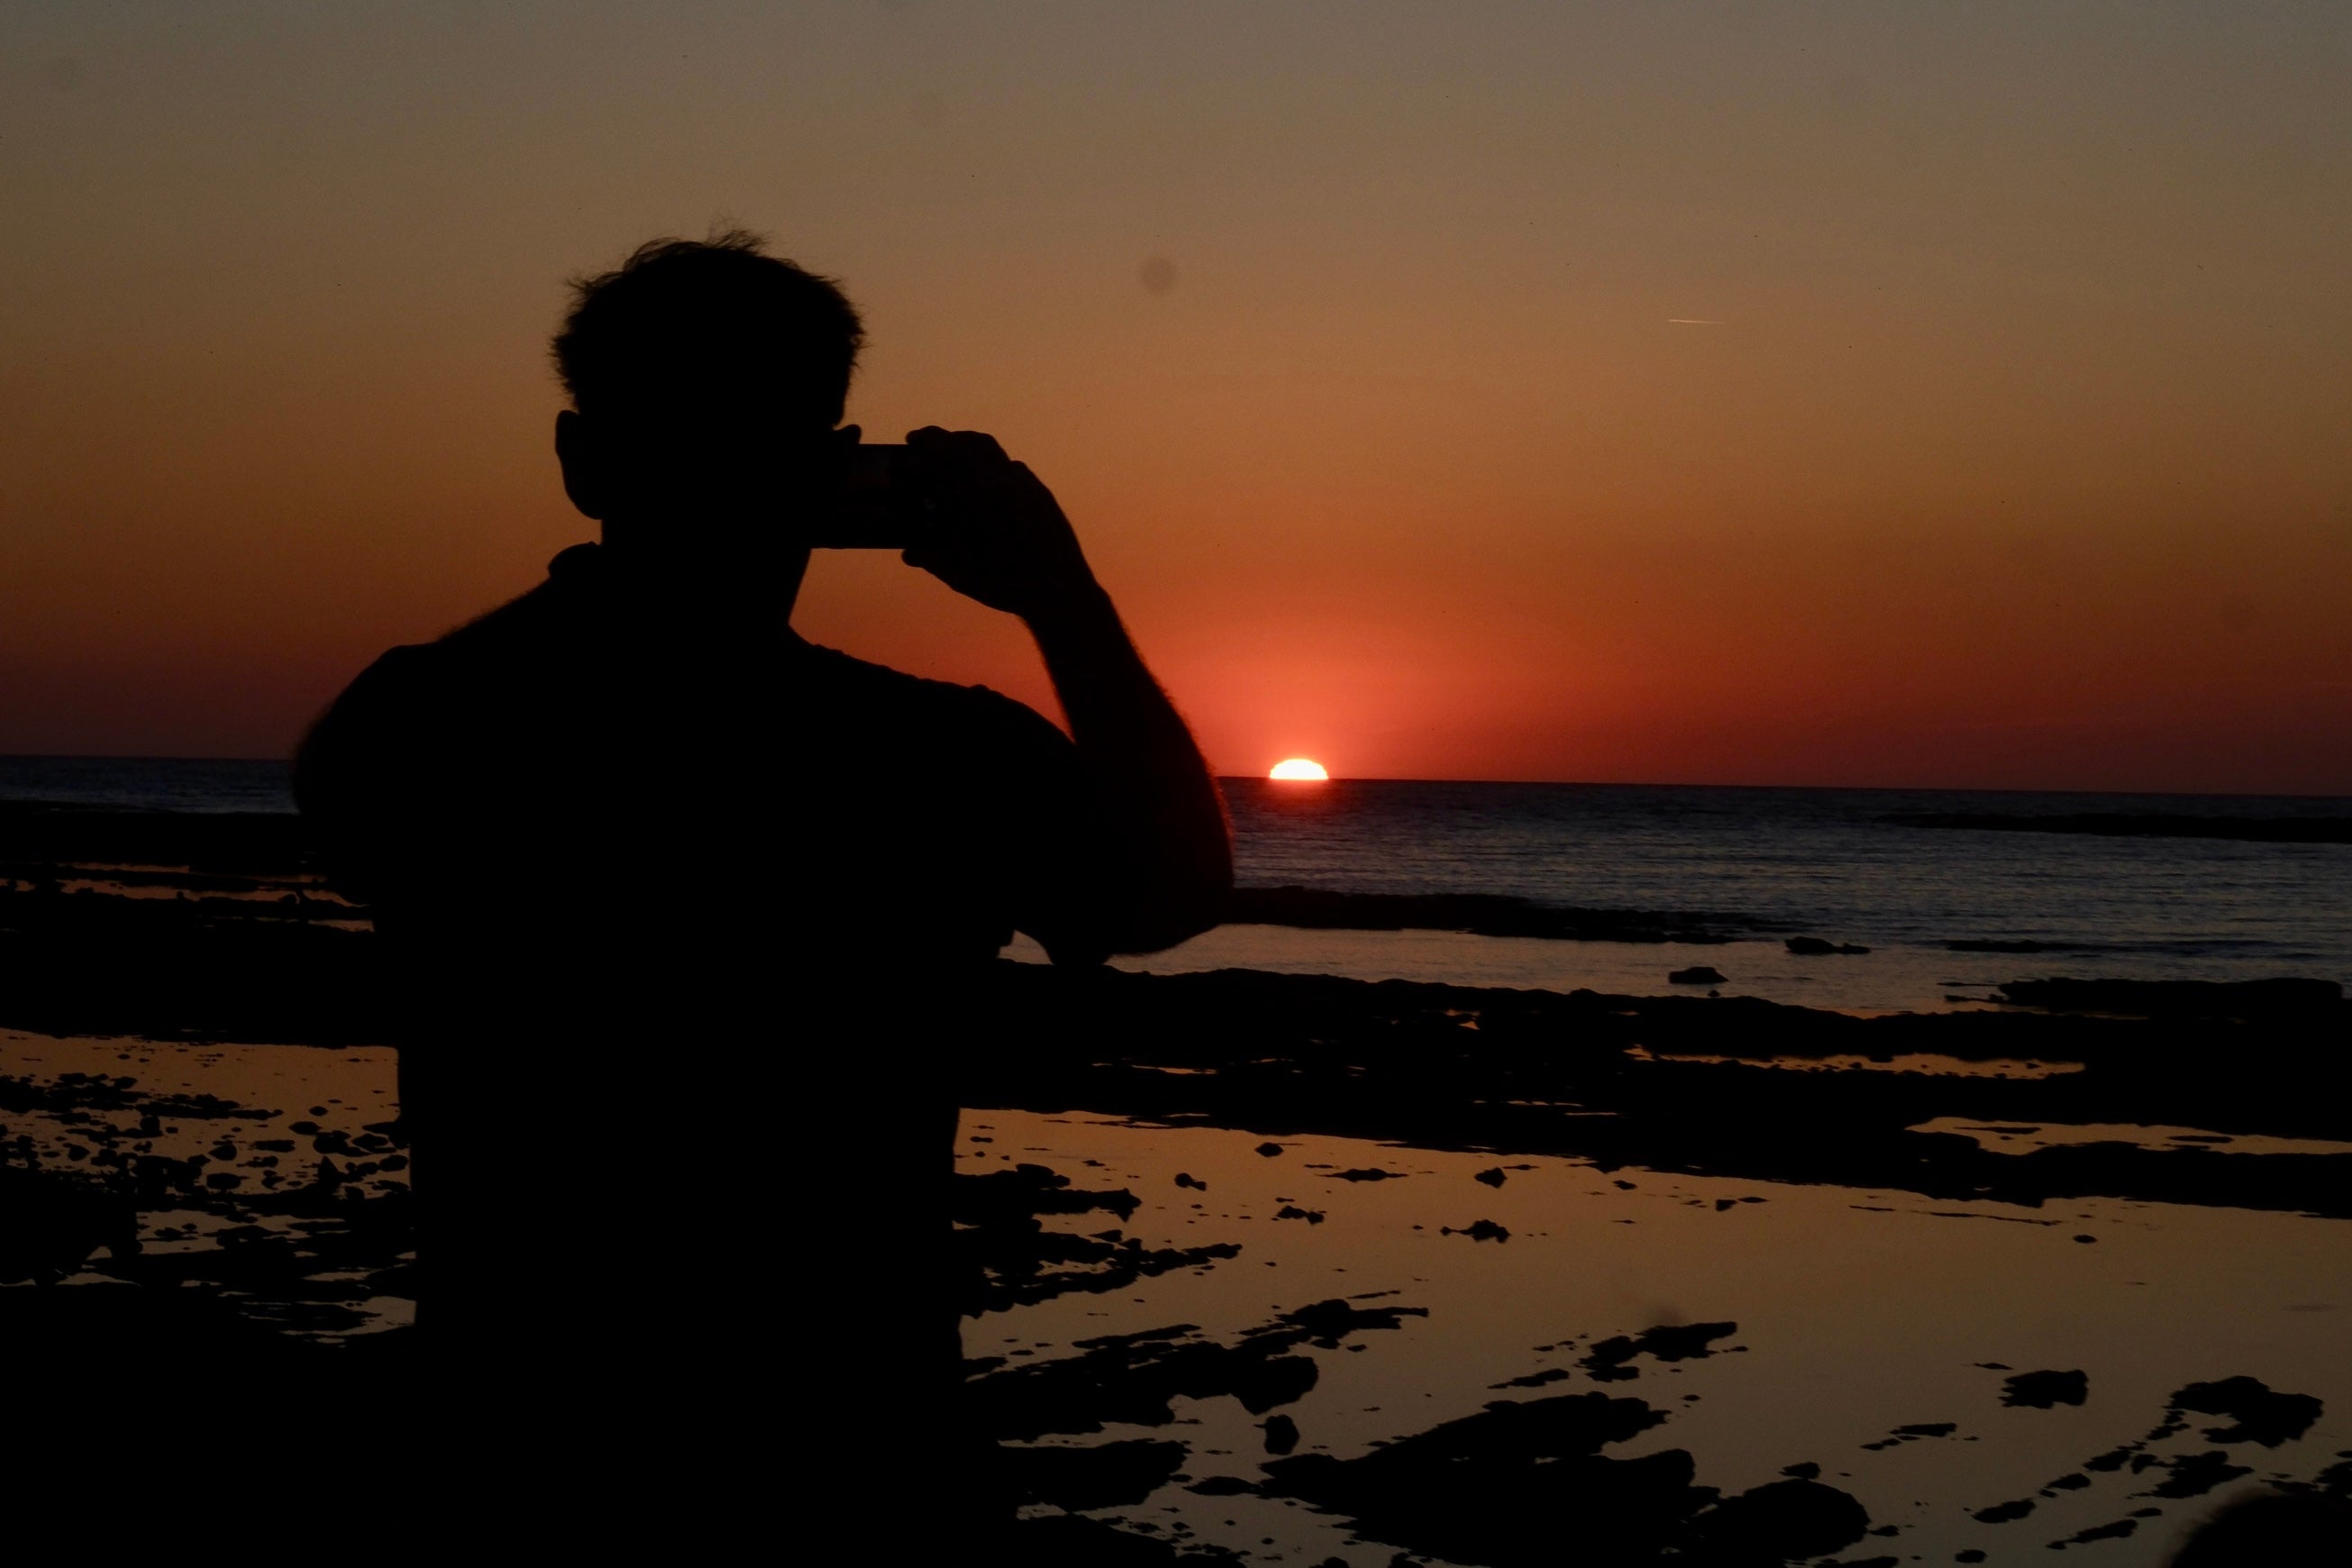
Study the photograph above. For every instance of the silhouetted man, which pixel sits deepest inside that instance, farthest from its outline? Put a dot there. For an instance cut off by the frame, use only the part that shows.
(693, 916)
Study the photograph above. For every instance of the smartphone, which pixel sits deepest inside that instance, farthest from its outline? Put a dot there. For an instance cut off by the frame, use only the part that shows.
(881, 504)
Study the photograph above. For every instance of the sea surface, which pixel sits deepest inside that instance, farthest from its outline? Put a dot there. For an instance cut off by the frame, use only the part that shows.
(1775, 863)
(1765, 864)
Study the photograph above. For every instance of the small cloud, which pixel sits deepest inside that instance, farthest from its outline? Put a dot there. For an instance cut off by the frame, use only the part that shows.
(1691, 321)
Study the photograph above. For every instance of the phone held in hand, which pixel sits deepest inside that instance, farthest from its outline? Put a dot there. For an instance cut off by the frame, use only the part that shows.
(882, 503)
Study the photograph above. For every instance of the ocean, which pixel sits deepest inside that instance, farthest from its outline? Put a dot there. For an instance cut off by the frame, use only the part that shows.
(1763, 863)
(1827, 863)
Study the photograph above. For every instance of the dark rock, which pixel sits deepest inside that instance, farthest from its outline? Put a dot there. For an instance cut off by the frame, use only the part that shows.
(1009, 1258)
(1914, 1432)
(2043, 1389)
(1816, 947)
(1072, 1540)
(1501, 1487)
(2289, 1527)
(1108, 1474)
(1667, 1342)
(1493, 1178)
(1697, 975)
(2249, 1000)
(1131, 1378)
(1536, 1379)
(1269, 1149)
(1227, 1486)
(2260, 1416)
(1260, 1385)
(1784, 1519)
(1281, 1434)
(1027, 1190)
(49, 1224)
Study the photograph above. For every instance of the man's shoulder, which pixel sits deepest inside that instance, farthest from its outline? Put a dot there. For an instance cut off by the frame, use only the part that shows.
(865, 687)
(521, 628)
(528, 617)
(417, 676)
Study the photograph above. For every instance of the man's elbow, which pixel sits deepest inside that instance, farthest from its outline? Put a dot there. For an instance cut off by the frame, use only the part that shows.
(1175, 911)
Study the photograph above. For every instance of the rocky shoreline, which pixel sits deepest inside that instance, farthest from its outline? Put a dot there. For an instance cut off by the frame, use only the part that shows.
(193, 930)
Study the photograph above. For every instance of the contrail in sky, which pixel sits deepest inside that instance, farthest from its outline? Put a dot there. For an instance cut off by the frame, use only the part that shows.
(1690, 321)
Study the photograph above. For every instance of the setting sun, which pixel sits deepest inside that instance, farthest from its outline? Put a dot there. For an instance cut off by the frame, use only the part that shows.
(1297, 768)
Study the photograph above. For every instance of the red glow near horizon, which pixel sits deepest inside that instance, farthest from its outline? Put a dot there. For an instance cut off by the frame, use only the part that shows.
(2008, 456)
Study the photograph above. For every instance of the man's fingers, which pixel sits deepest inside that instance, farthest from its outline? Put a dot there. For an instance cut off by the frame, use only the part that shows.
(977, 446)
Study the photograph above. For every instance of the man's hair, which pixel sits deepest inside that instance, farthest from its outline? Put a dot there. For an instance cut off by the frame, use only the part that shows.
(703, 321)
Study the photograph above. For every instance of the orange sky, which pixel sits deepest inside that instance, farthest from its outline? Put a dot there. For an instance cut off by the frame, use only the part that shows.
(1836, 394)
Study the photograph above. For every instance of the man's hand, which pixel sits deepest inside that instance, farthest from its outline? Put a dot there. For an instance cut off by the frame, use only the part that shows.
(1156, 846)
(998, 534)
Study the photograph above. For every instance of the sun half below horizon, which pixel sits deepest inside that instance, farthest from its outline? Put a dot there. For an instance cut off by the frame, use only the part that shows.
(1299, 769)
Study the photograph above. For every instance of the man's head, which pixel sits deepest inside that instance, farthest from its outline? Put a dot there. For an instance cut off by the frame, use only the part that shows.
(706, 379)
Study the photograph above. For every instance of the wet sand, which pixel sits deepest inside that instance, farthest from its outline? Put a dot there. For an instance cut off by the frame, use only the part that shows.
(1672, 1334)
(1295, 1346)
(1291, 1269)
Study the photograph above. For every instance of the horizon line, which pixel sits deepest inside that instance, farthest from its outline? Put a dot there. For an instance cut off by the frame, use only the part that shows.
(1379, 778)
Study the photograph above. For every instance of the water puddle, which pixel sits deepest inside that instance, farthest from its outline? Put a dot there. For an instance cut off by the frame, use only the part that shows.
(1876, 1336)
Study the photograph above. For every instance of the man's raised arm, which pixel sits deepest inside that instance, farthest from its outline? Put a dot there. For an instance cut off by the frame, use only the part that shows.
(1004, 542)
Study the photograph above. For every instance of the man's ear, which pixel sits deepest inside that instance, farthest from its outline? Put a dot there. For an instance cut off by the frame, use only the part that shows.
(585, 477)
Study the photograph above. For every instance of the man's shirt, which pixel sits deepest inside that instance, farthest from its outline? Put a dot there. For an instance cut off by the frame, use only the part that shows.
(694, 920)
(620, 798)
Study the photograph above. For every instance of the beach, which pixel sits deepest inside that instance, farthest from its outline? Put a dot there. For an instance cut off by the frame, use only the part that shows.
(1304, 1268)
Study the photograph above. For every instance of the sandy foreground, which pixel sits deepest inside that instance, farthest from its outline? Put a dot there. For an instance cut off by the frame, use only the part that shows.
(1290, 1269)
(1244, 1322)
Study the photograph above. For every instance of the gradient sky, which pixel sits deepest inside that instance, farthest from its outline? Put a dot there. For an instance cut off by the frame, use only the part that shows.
(1869, 394)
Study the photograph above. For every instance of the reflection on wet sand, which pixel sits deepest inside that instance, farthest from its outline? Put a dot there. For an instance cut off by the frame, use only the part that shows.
(1291, 1268)
(275, 1176)
(1200, 1325)
(1646, 1350)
